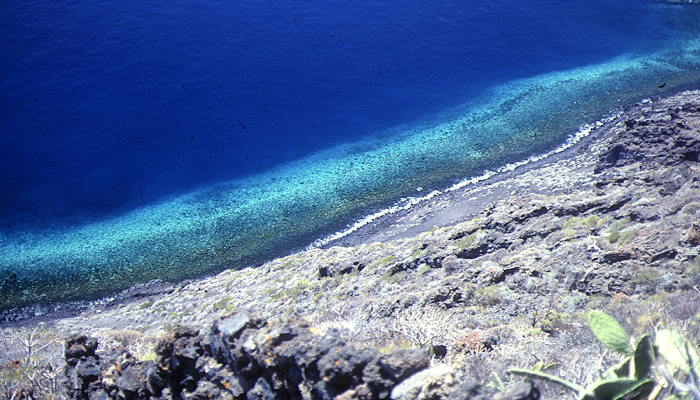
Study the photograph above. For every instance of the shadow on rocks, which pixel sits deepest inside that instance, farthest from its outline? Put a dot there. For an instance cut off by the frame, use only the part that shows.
(241, 357)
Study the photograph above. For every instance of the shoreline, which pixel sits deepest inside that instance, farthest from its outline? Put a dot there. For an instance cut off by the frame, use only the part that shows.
(446, 208)
(439, 210)
(516, 284)
(460, 201)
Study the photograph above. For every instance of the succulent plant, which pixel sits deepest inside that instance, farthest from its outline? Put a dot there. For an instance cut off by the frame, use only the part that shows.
(682, 355)
(632, 378)
(679, 352)
(609, 331)
(629, 380)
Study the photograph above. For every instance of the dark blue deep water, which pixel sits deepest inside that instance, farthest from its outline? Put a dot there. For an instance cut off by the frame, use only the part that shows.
(143, 140)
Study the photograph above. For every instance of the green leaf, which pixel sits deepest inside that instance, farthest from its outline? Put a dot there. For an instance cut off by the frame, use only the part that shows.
(677, 351)
(552, 366)
(639, 391)
(616, 388)
(644, 357)
(608, 331)
(547, 377)
(496, 381)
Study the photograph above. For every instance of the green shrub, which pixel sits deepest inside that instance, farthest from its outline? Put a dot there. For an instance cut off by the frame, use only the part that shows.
(471, 240)
(221, 304)
(146, 304)
(592, 221)
(397, 277)
(488, 296)
(386, 261)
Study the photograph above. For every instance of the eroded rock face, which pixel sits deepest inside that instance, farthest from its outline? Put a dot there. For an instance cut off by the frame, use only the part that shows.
(659, 137)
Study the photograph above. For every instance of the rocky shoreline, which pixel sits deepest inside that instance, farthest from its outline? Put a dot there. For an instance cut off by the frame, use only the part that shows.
(495, 274)
(625, 197)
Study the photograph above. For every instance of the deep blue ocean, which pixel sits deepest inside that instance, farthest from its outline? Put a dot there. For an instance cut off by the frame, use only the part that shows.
(170, 140)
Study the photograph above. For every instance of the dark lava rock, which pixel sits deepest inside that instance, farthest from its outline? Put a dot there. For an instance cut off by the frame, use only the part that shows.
(655, 139)
(82, 371)
(241, 357)
(79, 347)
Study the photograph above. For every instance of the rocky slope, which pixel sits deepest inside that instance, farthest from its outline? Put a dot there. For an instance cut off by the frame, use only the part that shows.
(241, 357)
(496, 274)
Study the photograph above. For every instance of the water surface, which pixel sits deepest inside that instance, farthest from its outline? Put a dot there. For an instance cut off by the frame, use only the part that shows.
(174, 139)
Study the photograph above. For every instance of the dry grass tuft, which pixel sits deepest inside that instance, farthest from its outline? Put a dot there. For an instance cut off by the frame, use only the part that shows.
(140, 346)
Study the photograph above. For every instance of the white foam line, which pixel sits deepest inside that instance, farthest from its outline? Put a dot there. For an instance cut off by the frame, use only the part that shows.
(584, 131)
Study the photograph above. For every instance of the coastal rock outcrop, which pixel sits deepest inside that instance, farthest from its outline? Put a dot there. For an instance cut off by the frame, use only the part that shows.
(241, 357)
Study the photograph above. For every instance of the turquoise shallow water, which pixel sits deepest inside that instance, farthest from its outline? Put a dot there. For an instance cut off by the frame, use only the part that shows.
(245, 221)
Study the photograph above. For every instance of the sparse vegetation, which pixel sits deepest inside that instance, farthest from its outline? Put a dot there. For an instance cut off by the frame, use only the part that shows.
(136, 343)
(386, 261)
(425, 328)
(471, 240)
(30, 363)
(488, 296)
(396, 277)
(147, 304)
